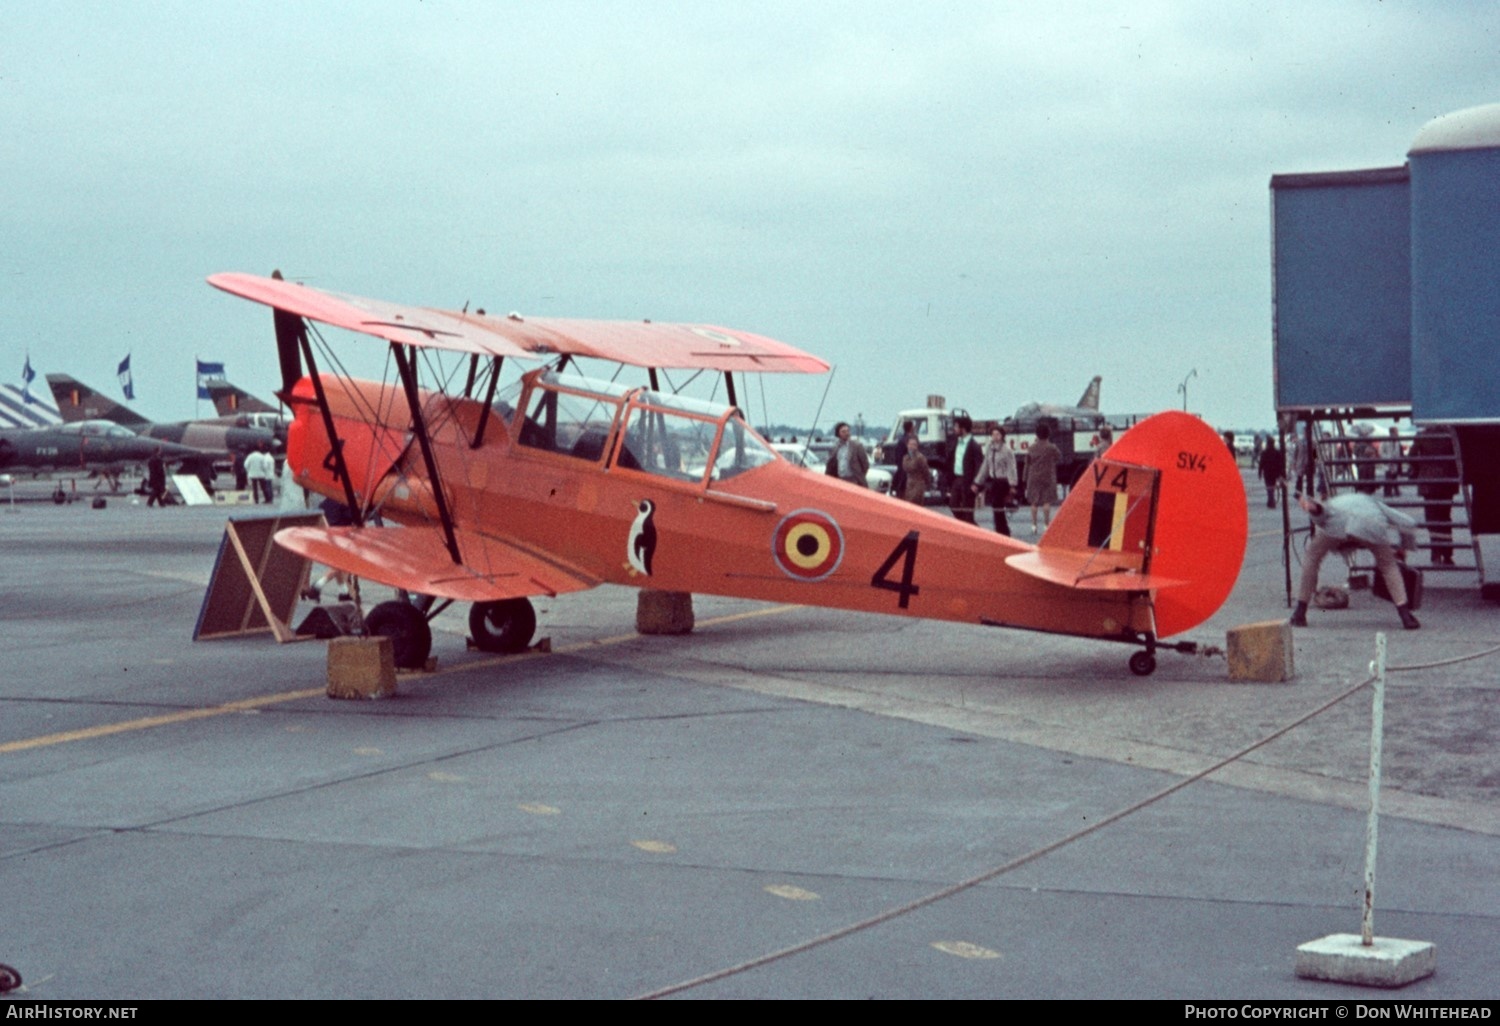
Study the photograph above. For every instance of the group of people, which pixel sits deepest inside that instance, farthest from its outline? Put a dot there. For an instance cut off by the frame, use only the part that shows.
(257, 469)
(973, 469)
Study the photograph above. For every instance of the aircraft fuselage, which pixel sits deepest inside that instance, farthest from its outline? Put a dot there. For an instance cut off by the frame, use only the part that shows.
(774, 532)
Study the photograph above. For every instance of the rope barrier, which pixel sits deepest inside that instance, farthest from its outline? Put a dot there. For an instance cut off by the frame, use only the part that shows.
(990, 874)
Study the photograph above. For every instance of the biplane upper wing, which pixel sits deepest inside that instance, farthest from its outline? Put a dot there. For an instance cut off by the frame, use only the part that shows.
(639, 343)
(417, 559)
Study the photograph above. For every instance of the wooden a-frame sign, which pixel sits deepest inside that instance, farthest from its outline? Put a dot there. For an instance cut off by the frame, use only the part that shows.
(255, 583)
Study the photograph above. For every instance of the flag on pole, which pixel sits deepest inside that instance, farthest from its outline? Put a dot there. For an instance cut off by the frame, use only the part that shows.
(27, 376)
(126, 384)
(206, 372)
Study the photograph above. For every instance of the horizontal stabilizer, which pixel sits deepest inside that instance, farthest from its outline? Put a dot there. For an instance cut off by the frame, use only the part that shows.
(1093, 571)
(417, 559)
(638, 343)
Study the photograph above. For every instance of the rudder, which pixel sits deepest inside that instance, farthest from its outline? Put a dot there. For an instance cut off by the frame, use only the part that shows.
(1166, 500)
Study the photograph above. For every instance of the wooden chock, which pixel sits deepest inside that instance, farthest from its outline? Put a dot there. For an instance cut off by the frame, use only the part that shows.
(664, 612)
(361, 668)
(1261, 651)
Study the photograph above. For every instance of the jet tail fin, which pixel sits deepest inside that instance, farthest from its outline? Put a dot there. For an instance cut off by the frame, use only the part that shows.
(230, 400)
(1163, 510)
(77, 401)
(1090, 398)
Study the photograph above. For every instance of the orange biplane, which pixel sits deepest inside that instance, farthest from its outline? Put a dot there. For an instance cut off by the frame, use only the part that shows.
(564, 482)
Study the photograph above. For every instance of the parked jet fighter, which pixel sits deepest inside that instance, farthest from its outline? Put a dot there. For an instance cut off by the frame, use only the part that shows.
(572, 482)
(1086, 409)
(92, 445)
(236, 406)
(77, 401)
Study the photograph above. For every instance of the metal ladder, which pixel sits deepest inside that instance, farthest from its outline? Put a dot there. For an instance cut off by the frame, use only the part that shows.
(1429, 462)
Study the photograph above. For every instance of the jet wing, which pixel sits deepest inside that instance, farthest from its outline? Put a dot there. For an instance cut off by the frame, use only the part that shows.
(416, 558)
(638, 343)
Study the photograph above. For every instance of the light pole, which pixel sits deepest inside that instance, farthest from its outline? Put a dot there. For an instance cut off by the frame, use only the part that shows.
(1183, 387)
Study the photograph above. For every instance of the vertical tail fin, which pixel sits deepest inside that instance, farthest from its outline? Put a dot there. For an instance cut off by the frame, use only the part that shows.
(1090, 398)
(230, 400)
(77, 401)
(1166, 501)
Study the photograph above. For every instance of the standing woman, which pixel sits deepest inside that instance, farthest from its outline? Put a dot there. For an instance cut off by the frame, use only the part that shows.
(915, 472)
(1041, 476)
(998, 471)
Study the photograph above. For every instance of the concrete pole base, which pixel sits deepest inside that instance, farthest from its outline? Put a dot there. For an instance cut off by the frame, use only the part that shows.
(1388, 962)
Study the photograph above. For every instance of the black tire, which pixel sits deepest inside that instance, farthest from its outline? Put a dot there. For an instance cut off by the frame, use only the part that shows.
(1143, 664)
(9, 979)
(505, 626)
(404, 624)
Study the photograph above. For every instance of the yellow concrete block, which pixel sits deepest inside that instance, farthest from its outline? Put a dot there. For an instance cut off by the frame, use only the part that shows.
(361, 668)
(1261, 651)
(664, 612)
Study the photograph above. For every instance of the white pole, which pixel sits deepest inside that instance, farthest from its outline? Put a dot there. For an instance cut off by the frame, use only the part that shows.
(1372, 826)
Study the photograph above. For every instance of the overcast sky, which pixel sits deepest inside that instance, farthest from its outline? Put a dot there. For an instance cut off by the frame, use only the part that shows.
(989, 201)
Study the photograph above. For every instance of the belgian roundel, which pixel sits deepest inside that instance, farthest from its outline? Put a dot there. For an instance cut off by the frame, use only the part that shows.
(808, 545)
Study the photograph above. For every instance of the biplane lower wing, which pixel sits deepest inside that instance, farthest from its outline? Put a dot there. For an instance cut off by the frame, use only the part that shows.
(417, 559)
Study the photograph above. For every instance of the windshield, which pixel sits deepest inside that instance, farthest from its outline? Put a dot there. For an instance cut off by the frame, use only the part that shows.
(688, 439)
(571, 415)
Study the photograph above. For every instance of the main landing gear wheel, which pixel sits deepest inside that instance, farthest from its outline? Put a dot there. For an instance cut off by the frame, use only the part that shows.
(404, 624)
(505, 626)
(9, 979)
(1143, 664)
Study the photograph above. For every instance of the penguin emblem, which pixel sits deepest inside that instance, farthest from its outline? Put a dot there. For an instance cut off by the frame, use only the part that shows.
(642, 544)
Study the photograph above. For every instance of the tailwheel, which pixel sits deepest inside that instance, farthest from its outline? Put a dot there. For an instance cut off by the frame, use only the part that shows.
(505, 626)
(404, 624)
(9, 979)
(1143, 664)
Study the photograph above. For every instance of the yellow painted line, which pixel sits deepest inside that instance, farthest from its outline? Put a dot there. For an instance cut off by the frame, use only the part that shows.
(251, 704)
(538, 809)
(656, 847)
(166, 719)
(791, 893)
(963, 949)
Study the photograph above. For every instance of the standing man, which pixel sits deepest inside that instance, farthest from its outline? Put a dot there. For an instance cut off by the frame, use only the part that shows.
(1271, 470)
(964, 461)
(1390, 455)
(849, 461)
(156, 480)
(260, 468)
(1436, 472)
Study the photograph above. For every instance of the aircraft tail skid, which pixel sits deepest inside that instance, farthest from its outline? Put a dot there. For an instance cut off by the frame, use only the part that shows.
(1163, 510)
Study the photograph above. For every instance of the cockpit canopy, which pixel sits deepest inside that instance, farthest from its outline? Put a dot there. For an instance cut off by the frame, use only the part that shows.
(96, 429)
(636, 429)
